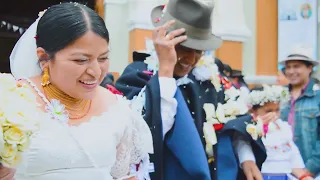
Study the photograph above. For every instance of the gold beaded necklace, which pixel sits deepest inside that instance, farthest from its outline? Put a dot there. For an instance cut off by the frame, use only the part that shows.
(77, 108)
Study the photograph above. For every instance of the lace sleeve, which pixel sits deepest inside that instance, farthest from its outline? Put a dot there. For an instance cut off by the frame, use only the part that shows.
(134, 147)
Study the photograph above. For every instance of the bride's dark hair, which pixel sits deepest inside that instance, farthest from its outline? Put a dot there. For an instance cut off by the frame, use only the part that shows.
(64, 23)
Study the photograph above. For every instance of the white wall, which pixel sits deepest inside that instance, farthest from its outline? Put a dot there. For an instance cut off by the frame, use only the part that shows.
(116, 18)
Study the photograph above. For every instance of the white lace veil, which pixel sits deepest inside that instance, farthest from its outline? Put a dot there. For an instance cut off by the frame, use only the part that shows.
(23, 58)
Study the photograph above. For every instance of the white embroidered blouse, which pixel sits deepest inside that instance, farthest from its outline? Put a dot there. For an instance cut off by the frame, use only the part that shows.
(101, 149)
(282, 153)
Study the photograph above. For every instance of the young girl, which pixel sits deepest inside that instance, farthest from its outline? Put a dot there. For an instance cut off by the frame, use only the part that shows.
(283, 156)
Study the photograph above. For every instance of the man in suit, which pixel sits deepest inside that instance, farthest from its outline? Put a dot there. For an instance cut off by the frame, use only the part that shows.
(174, 109)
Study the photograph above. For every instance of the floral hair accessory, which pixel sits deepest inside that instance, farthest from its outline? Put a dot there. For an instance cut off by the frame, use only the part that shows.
(275, 94)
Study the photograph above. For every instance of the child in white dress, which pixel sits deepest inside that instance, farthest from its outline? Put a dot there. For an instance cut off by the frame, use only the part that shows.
(283, 156)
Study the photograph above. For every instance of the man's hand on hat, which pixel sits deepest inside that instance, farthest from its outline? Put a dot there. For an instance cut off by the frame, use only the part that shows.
(164, 44)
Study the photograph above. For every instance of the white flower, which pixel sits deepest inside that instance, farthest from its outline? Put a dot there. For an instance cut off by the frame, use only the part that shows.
(235, 108)
(152, 61)
(9, 152)
(243, 94)
(2, 142)
(209, 133)
(25, 92)
(19, 119)
(57, 111)
(207, 70)
(184, 80)
(232, 93)
(275, 94)
(252, 130)
(216, 83)
(153, 64)
(220, 114)
(209, 150)
(11, 157)
(24, 116)
(210, 111)
(202, 73)
(210, 137)
(15, 136)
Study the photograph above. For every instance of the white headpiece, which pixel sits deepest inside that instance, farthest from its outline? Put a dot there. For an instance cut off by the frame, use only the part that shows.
(23, 58)
(276, 94)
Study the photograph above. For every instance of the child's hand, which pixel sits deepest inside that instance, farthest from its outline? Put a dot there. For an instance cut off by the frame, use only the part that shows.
(251, 170)
(269, 117)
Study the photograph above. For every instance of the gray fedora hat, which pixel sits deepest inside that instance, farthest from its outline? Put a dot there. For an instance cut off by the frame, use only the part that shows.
(192, 15)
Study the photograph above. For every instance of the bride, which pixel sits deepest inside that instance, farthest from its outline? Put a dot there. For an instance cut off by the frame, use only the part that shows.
(86, 132)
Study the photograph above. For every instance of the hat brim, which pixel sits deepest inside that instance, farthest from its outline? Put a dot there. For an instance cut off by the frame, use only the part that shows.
(210, 43)
(141, 53)
(313, 62)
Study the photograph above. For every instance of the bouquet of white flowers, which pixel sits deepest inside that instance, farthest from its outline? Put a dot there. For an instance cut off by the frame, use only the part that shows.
(19, 119)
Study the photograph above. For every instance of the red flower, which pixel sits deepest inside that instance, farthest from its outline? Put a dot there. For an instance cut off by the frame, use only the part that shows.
(218, 127)
(227, 86)
(157, 20)
(113, 90)
(225, 82)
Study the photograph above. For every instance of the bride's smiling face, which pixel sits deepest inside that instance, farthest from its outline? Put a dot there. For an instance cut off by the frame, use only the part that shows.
(79, 68)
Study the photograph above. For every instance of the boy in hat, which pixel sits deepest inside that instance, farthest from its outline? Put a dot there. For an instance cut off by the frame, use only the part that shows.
(303, 110)
(172, 100)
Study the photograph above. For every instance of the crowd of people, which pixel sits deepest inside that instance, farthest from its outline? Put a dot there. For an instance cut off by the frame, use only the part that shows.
(175, 113)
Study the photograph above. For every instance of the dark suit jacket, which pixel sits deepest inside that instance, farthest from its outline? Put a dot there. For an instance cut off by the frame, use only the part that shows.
(196, 94)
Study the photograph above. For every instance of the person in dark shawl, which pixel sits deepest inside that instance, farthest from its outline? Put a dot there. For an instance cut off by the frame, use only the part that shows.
(171, 99)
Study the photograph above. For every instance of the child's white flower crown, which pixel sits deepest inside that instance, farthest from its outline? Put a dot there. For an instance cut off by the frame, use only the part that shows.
(274, 93)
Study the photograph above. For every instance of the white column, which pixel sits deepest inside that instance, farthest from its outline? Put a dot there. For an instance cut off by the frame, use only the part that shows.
(229, 20)
(122, 16)
(250, 46)
(116, 16)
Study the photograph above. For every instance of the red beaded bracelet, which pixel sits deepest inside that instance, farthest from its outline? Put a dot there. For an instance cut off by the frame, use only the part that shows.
(305, 176)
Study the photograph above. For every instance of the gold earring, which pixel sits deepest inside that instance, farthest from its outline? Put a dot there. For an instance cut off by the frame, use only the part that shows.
(45, 77)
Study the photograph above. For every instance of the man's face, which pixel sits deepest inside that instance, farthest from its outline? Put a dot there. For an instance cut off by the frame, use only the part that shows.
(187, 59)
(297, 72)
